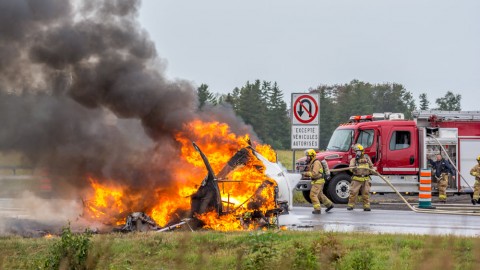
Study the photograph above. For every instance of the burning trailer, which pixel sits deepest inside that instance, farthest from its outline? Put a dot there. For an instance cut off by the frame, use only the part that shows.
(212, 208)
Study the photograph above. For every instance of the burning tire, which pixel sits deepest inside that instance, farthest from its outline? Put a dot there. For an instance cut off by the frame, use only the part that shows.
(338, 188)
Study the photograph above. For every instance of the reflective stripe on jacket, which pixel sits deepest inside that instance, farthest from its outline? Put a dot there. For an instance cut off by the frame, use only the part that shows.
(361, 172)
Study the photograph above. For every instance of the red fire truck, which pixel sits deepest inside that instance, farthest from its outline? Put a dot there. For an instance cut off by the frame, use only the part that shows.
(400, 148)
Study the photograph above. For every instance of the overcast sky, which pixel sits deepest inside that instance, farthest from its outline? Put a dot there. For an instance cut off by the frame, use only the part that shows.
(428, 46)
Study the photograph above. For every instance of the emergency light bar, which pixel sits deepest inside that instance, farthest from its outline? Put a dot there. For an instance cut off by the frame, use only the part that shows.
(361, 118)
(377, 116)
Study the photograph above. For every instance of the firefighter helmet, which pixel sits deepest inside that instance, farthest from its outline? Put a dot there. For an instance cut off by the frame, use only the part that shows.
(478, 158)
(358, 147)
(310, 153)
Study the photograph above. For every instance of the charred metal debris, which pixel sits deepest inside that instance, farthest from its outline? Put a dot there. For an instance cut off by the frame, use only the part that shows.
(207, 198)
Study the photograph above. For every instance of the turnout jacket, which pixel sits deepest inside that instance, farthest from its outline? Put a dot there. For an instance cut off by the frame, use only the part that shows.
(442, 166)
(362, 164)
(315, 171)
(475, 171)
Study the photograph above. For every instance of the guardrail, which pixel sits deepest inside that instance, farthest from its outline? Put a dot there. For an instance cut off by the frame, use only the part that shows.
(14, 169)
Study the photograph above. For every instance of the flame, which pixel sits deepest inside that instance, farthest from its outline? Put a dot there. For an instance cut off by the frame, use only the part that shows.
(107, 202)
(247, 187)
(267, 151)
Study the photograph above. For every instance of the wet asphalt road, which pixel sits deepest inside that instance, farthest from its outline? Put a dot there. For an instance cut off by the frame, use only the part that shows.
(384, 221)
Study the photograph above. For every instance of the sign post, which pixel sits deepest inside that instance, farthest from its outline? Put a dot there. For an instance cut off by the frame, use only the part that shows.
(305, 122)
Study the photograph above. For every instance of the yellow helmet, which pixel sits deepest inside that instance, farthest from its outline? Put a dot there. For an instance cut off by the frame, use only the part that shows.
(478, 158)
(358, 147)
(310, 152)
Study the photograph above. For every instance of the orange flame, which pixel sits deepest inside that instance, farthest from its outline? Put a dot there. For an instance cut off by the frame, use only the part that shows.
(245, 186)
(267, 151)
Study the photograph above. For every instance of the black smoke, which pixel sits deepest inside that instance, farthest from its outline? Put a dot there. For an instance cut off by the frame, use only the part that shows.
(82, 93)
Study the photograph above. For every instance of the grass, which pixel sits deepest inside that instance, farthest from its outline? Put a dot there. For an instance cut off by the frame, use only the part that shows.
(285, 157)
(254, 250)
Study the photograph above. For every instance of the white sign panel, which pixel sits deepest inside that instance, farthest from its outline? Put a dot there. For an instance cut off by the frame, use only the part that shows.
(304, 137)
(305, 109)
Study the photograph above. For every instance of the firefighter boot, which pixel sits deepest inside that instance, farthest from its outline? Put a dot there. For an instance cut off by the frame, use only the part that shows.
(316, 212)
(474, 201)
(367, 209)
(329, 208)
(349, 208)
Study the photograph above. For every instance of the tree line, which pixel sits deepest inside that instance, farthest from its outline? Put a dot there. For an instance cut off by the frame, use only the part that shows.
(261, 104)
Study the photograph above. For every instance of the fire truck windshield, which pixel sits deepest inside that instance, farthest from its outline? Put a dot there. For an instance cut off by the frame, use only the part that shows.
(341, 140)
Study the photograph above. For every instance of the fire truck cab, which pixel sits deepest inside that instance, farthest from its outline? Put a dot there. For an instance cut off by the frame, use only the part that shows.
(400, 148)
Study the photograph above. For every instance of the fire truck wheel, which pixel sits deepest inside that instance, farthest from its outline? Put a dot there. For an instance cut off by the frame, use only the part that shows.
(306, 195)
(338, 188)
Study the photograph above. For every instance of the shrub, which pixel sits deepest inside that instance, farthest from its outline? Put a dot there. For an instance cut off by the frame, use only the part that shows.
(70, 252)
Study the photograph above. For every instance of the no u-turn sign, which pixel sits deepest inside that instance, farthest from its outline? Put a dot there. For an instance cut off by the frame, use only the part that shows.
(305, 121)
(305, 109)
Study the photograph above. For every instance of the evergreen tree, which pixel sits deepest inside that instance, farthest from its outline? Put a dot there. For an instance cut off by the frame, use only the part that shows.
(232, 98)
(277, 118)
(424, 103)
(205, 96)
(450, 102)
(328, 122)
(252, 108)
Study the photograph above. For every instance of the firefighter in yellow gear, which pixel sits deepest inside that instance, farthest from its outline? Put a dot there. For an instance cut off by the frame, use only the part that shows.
(361, 164)
(316, 173)
(475, 171)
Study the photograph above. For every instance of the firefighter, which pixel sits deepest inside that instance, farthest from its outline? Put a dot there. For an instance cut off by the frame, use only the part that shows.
(316, 173)
(475, 171)
(442, 169)
(360, 166)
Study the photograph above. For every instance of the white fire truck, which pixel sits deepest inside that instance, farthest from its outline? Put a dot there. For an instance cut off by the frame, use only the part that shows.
(400, 148)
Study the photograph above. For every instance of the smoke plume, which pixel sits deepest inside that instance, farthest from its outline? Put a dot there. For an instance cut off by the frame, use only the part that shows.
(82, 93)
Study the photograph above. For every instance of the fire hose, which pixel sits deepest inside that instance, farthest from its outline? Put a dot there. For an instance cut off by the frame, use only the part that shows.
(413, 208)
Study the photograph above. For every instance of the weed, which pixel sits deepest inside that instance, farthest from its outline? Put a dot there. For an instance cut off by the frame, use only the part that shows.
(262, 250)
(328, 248)
(70, 252)
(411, 243)
(463, 254)
(304, 257)
(360, 259)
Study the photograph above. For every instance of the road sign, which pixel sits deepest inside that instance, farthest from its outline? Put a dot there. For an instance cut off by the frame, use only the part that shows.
(305, 109)
(304, 137)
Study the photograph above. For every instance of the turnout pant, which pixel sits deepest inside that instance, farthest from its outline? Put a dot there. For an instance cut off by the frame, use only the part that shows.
(476, 190)
(357, 186)
(442, 187)
(317, 196)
